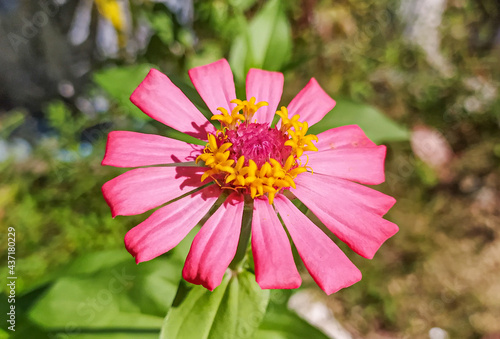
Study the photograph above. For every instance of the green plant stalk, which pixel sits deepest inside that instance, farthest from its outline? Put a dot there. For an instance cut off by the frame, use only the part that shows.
(243, 243)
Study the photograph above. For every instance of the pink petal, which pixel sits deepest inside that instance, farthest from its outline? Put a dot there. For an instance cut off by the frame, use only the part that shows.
(272, 253)
(312, 103)
(351, 136)
(372, 200)
(265, 86)
(131, 149)
(215, 245)
(327, 264)
(363, 165)
(351, 211)
(215, 84)
(167, 226)
(160, 99)
(142, 189)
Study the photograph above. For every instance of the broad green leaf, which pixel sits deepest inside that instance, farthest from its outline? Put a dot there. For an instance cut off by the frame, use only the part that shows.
(90, 303)
(238, 57)
(265, 43)
(194, 316)
(279, 48)
(286, 325)
(375, 124)
(120, 82)
(104, 296)
(281, 323)
(269, 37)
(94, 262)
(115, 335)
(233, 310)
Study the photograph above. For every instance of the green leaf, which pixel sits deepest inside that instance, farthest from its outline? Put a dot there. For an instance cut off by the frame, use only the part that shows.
(242, 5)
(58, 113)
(10, 121)
(238, 57)
(114, 335)
(233, 310)
(286, 325)
(105, 292)
(375, 124)
(89, 303)
(279, 48)
(164, 27)
(91, 263)
(120, 82)
(265, 43)
(282, 323)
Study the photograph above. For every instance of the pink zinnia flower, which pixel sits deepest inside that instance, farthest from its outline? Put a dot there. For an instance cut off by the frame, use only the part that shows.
(247, 159)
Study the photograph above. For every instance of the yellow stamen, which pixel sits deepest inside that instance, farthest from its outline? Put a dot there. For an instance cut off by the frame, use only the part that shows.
(248, 107)
(273, 175)
(230, 121)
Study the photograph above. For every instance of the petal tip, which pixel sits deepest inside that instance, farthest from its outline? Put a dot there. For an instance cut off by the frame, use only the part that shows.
(355, 278)
(134, 97)
(288, 285)
(105, 194)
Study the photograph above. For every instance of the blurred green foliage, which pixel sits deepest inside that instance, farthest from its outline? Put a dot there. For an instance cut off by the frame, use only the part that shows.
(69, 249)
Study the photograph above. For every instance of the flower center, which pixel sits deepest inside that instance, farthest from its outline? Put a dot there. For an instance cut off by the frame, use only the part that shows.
(259, 143)
(252, 157)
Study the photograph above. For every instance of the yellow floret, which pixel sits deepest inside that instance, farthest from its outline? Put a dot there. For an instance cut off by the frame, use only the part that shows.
(248, 107)
(272, 176)
(229, 121)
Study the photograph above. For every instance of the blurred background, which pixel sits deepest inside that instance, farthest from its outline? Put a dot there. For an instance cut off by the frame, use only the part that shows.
(420, 76)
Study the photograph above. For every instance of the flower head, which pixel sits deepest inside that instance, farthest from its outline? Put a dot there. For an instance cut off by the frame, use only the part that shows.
(249, 161)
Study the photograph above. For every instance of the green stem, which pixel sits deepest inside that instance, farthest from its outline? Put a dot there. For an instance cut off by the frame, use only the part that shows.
(246, 227)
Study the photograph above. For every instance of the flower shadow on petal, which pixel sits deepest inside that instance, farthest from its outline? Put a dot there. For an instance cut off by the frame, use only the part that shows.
(201, 130)
(190, 176)
(196, 151)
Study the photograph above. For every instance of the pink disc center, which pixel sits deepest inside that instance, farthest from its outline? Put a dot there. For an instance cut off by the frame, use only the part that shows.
(259, 143)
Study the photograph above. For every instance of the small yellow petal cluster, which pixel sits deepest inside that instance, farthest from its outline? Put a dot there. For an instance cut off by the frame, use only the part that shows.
(216, 158)
(300, 141)
(272, 176)
(231, 121)
(269, 178)
(248, 107)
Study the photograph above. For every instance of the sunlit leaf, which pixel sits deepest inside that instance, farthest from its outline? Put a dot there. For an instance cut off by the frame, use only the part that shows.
(286, 325)
(233, 310)
(282, 323)
(265, 43)
(375, 124)
(105, 292)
